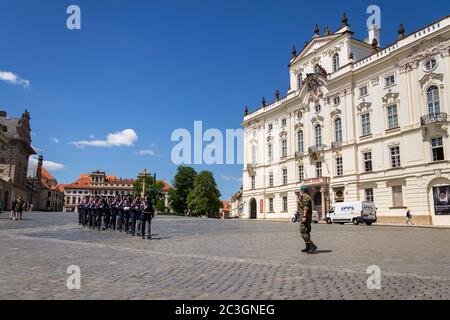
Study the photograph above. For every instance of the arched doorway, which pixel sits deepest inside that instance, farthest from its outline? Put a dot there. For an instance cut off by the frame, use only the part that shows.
(252, 208)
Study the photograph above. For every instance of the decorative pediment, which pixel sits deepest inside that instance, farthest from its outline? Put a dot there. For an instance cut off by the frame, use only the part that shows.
(364, 106)
(335, 112)
(436, 130)
(391, 97)
(298, 125)
(315, 45)
(317, 118)
(283, 134)
(431, 77)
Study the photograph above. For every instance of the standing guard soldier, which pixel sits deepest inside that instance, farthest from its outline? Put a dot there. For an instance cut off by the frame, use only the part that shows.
(304, 207)
(146, 217)
(81, 212)
(126, 213)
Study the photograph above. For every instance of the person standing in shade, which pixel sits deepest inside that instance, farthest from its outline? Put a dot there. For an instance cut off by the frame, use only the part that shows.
(19, 208)
(147, 215)
(304, 207)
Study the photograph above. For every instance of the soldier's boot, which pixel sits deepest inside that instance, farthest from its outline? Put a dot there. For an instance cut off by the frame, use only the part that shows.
(308, 247)
(313, 249)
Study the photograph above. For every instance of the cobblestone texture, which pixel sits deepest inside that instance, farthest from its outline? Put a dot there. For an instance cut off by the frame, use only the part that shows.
(193, 258)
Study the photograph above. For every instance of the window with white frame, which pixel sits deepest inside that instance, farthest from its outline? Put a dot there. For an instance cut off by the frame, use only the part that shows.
(270, 151)
(301, 173)
(363, 91)
(285, 204)
(437, 148)
(395, 156)
(300, 142)
(397, 197)
(270, 127)
(283, 148)
(434, 105)
(270, 179)
(319, 169)
(283, 122)
(253, 154)
(270, 204)
(253, 182)
(368, 194)
(392, 116)
(338, 130)
(365, 124)
(318, 134)
(339, 167)
(367, 160)
(389, 80)
(335, 62)
(285, 176)
(430, 64)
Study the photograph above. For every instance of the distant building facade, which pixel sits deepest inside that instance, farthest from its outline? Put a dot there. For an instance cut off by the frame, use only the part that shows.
(359, 122)
(15, 151)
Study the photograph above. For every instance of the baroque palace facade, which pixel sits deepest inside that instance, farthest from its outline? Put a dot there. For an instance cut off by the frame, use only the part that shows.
(359, 122)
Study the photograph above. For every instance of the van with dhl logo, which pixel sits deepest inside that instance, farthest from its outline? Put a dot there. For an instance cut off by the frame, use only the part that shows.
(353, 212)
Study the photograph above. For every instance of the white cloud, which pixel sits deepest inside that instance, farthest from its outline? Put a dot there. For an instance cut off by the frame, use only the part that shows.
(55, 140)
(13, 78)
(230, 178)
(49, 165)
(147, 152)
(125, 137)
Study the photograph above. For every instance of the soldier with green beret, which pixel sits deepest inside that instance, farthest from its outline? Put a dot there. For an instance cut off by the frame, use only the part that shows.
(304, 207)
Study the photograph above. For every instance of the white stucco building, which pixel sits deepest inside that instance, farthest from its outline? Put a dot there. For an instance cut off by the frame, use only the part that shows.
(359, 122)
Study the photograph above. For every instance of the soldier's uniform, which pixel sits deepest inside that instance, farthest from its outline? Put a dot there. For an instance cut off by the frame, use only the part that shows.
(305, 203)
(146, 217)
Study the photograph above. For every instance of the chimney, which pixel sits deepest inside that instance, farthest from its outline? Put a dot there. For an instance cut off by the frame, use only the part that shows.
(374, 33)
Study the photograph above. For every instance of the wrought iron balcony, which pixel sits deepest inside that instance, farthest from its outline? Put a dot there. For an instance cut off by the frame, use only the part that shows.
(336, 144)
(317, 148)
(433, 118)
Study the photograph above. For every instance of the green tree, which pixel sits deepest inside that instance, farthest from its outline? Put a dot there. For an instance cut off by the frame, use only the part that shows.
(152, 189)
(183, 183)
(204, 199)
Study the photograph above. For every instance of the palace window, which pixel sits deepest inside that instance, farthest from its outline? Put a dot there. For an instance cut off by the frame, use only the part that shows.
(430, 64)
(270, 179)
(270, 204)
(367, 158)
(363, 91)
(392, 116)
(319, 169)
(301, 173)
(270, 127)
(433, 102)
(368, 193)
(283, 122)
(339, 167)
(318, 108)
(335, 62)
(437, 147)
(300, 142)
(253, 154)
(318, 134)
(270, 151)
(397, 196)
(285, 204)
(283, 148)
(338, 130)
(395, 157)
(336, 100)
(365, 124)
(389, 80)
(285, 177)
(253, 182)
(299, 81)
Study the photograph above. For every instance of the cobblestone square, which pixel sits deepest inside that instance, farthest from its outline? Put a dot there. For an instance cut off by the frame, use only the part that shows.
(194, 258)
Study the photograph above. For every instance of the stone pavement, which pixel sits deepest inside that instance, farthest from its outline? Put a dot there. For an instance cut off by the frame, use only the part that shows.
(193, 258)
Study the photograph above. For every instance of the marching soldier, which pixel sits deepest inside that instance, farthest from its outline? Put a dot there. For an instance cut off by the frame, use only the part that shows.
(134, 214)
(106, 213)
(81, 212)
(113, 207)
(126, 213)
(146, 217)
(304, 207)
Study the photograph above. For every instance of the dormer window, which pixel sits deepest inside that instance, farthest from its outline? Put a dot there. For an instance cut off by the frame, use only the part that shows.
(335, 62)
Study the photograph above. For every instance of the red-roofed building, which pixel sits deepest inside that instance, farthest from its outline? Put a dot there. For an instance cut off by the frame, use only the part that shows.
(96, 183)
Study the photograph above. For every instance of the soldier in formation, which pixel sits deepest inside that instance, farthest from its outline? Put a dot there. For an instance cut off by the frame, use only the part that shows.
(122, 213)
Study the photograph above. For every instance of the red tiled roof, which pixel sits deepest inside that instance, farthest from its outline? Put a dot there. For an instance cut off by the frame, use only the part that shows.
(47, 175)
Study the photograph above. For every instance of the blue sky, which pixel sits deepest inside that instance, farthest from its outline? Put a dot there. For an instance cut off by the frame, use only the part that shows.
(155, 66)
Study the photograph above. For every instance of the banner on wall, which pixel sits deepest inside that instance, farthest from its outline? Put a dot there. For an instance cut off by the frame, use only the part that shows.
(441, 197)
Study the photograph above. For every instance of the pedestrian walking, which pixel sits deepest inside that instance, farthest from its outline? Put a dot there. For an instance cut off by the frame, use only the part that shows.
(409, 217)
(304, 205)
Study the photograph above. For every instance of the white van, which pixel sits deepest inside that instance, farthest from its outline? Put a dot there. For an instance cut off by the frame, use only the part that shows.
(355, 212)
